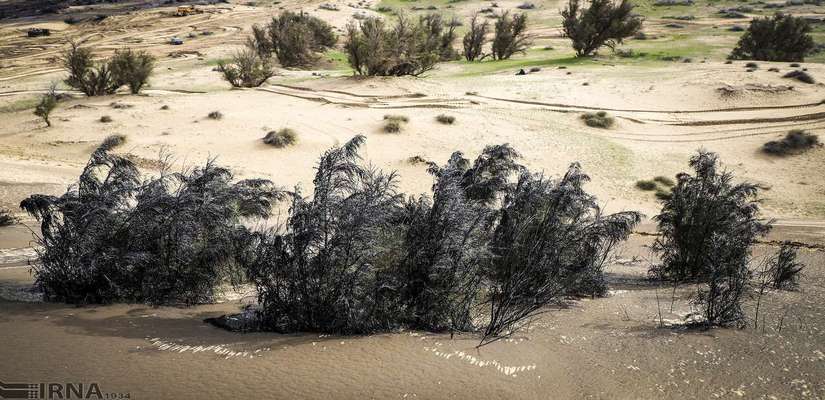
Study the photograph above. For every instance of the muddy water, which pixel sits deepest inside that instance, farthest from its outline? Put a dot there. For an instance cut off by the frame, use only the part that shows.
(602, 348)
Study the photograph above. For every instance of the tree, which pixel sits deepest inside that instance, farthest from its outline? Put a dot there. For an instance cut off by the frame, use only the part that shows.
(474, 38)
(132, 68)
(47, 104)
(247, 69)
(779, 38)
(604, 23)
(85, 75)
(510, 36)
(295, 38)
(408, 48)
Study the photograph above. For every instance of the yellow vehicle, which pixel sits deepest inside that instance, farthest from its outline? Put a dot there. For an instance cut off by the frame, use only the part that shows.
(183, 11)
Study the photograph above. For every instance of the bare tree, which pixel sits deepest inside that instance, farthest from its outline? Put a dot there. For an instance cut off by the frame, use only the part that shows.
(474, 38)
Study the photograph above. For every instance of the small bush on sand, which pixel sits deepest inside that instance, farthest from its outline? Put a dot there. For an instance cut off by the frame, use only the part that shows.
(510, 36)
(105, 119)
(47, 104)
(663, 194)
(216, 115)
(751, 65)
(113, 141)
(93, 79)
(645, 185)
(282, 138)
(120, 237)
(665, 181)
(132, 68)
(783, 268)
(779, 38)
(801, 76)
(445, 119)
(394, 123)
(604, 23)
(795, 142)
(247, 69)
(7, 218)
(598, 119)
(474, 38)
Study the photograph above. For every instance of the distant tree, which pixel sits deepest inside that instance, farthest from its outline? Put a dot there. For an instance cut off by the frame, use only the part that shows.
(408, 48)
(510, 36)
(294, 38)
(779, 38)
(132, 68)
(247, 69)
(604, 23)
(474, 38)
(85, 75)
(47, 104)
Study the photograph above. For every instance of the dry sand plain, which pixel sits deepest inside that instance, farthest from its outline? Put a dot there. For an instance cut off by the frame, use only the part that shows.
(600, 348)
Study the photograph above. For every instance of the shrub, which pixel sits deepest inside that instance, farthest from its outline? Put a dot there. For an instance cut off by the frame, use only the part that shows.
(282, 138)
(296, 38)
(406, 49)
(646, 185)
(105, 119)
(115, 237)
(795, 142)
(392, 126)
(599, 119)
(783, 268)
(801, 76)
(47, 104)
(7, 218)
(216, 115)
(440, 35)
(708, 225)
(664, 180)
(445, 119)
(752, 65)
(84, 75)
(510, 36)
(663, 194)
(246, 70)
(778, 38)
(112, 141)
(132, 69)
(604, 23)
(474, 39)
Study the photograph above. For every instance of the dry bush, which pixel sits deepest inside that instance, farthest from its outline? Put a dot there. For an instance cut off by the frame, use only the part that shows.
(216, 115)
(47, 104)
(474, 38)
(779, 38)
(132, 68)
(394, 123)
(113, 141)
(282, 138)
(801, 76)
(646, 185)
(93, 79)
(599, 119)
(795, 142)
(105, 119)
(247, 69)
(783, 269)
(604, 23)
(664, 181)
(510, 36)
(445, 119)
(295, 38)
(7, 218)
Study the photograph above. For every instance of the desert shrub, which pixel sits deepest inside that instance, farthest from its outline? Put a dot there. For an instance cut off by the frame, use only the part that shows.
(720, 300)
(324, 270)
(445, 119)
(93, 79)
(801, 76)
(216, 115)
(599, 119)
(751, 65)
(474, 38)
(47, 104)
(295, 38)
(708, 224)
(604, 23)
(408, 48)
(392, 126)
(116, 237)
(784, 269)
(510, 36)
(778, 38)
(132, 69)
(663, 194)
(646, 185)
(247, 69)
(105, 119)
(7, 218)
(796, 141)
(113, 141)
(664, 180)
(282, 138)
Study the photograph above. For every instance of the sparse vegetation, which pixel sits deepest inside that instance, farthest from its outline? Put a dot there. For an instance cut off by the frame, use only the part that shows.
(113, 141)
(602, 24)
(474, 38)
(445, 119)
(782, 37)
(796, 141)
(294, 39)
(783, 268)
(510, 36)
(665, 181)
(646, 185)
(247, 69)
(105, 119)
(47, 104)
(599, 119)
(281, 138)
(132, 68)
(216, 115)
(93, 79)
(801, 76)
(7, 218)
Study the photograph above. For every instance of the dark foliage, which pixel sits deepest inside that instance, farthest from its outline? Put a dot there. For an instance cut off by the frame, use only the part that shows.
(281, 138)
(604, 23)
(510, 36)
(708, 224)
(7, 218)
(132, 68)
(801, 76)
(783, 268)
(294, 38)
(167, 239)
(795, 142)
(779, 38)
(474, 38)
(93, 79)
(47, 104)
(247, 69)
